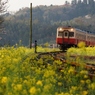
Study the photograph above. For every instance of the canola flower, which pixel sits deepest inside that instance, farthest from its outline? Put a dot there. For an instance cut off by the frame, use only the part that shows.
(92, 86)
(32, 90)
(4, 79)
(88, 81)
(85, 92)
(19, 87)
(60, 83)
(39, 83)
(71, 70)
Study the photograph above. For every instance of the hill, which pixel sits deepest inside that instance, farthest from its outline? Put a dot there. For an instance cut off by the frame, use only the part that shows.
(45, 20)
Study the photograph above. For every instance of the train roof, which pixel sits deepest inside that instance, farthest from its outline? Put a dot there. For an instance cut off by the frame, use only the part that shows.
(69, 27)
(66, 27)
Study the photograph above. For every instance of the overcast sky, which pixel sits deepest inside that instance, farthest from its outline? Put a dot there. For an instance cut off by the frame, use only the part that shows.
(15, 5)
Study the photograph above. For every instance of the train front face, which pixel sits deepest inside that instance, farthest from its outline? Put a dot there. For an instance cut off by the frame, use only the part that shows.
(65, 37)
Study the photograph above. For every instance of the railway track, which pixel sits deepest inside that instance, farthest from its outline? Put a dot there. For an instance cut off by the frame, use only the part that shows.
(53, 54)
(60, 55)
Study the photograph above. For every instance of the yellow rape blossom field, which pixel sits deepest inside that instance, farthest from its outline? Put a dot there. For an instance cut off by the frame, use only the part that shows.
(22, 74)
(86, 54)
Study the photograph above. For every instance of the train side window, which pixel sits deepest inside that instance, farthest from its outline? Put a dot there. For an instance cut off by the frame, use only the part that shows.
(77, 36)
(71, 34)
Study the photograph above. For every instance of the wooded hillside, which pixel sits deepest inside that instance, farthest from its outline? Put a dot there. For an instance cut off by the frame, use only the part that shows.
(46, 19)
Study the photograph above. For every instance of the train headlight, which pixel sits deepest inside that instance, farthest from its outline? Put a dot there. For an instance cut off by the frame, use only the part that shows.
(60, 29)
(71, 29)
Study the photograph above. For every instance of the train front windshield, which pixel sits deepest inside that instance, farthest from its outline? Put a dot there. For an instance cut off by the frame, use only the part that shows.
(65, 33)
(60, 33)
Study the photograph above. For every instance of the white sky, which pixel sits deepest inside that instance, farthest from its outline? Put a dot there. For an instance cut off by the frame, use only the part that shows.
(15, 5)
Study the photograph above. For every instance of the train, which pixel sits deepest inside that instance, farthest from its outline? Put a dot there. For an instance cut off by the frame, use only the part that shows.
(70, 36)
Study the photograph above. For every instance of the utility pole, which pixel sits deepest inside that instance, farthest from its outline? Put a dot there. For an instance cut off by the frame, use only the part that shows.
(30, 25)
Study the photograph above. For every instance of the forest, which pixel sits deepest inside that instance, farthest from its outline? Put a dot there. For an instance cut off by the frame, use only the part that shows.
(45, 20)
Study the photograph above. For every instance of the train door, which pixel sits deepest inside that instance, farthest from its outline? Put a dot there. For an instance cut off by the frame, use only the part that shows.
(62, 37)
(66, 37)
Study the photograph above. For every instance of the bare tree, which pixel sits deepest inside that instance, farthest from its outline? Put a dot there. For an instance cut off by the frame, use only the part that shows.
(3, 9)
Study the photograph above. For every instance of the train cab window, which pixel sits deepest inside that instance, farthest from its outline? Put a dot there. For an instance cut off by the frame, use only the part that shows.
(71, 34)
(60, 33)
